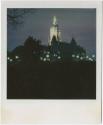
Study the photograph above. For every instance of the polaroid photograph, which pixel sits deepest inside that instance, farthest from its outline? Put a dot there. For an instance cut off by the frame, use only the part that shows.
(51, 53)
(52, 62)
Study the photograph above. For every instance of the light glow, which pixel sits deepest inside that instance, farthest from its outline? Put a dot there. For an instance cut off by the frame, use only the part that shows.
(93, 56)
(8, 58)
(44, 59)
(73, 55)
(11, 60)
(47, 56)
(48, 52)
(81, 58)
(16, 57)
(59, 57)
(87, 57)
(77, 56)
(90, 59)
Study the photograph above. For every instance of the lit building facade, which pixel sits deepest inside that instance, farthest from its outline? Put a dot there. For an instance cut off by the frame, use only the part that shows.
(54, 31)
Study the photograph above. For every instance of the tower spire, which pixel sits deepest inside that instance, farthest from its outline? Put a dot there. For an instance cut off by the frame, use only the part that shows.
(54, 20)
(54, 31)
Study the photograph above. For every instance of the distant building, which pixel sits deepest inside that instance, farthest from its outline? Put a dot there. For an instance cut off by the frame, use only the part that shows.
(54, 31)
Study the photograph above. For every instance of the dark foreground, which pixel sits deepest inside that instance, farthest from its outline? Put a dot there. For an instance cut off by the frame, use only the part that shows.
(59, 80)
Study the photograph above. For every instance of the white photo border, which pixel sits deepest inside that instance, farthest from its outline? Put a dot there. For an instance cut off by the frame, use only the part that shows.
(51, 111)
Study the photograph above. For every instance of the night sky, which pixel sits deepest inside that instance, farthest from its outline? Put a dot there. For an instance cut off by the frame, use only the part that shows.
(77, 23)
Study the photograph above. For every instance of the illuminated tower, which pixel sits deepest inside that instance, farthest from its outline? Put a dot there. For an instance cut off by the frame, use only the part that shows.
(54, 31)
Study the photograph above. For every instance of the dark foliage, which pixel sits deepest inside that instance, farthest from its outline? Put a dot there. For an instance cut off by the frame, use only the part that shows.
(58, 80)
(15, 15)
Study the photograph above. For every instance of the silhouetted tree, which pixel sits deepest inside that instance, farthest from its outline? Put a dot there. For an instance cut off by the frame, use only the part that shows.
(19, 50)
(73, 42)
(29, 44)
(32, 48)
(15, 15)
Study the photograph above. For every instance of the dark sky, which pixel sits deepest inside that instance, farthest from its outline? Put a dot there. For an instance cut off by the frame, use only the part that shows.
(77, 23)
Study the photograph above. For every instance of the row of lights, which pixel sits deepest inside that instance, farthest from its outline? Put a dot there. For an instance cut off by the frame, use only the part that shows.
(10, 59)
(81, 58)
(47, 57)
(48, 52)
(44, 59)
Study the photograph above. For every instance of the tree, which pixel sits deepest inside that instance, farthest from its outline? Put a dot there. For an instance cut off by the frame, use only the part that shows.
(29, 43)
(32, 48)
(15, 15)
(73, 42)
